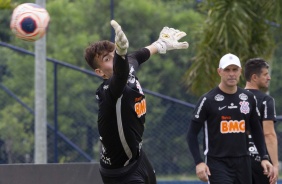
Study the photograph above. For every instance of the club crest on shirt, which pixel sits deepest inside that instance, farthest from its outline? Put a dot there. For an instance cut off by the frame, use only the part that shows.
(219, 97)
(243, 96)
(245, 109)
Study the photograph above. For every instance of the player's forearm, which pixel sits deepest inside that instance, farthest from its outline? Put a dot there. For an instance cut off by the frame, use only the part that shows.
(153, 49)
(192, 140)
(259, 140)
(272, 148)
(120, 76)
(195, 150)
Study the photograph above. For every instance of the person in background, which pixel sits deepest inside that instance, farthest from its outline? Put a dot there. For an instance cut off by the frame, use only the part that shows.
(226, 113)
(257, 81)
(122, 104)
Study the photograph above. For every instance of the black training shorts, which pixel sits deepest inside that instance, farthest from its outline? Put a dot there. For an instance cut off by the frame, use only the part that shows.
(230, 170)
(141, 172)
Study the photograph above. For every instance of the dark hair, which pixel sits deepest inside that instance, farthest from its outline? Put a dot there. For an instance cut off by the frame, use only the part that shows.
(254, 66)
(97, 49)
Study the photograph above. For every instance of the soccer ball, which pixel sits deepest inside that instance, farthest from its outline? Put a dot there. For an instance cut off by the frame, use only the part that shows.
(29, 21)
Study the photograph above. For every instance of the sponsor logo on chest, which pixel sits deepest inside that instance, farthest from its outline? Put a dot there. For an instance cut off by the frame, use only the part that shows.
(230, 124)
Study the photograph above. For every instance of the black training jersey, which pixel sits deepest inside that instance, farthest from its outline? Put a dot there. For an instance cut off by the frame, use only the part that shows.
(122, 110)
(266, 106)
(226, 119)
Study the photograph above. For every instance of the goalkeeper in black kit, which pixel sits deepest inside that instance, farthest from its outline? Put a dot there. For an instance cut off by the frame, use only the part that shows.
(122, 104)
(227, 113)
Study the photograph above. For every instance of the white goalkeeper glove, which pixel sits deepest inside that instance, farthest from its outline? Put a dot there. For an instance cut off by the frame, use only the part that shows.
(120, 39)
(168, 40)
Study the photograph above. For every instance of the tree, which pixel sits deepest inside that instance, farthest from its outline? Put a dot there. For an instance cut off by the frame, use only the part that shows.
(5, 4)
(232, 26)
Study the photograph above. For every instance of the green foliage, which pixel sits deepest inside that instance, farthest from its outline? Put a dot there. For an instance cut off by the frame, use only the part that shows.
(16, 131)
(232, 26)
(5, 23)
(5, 4)
(276, 77)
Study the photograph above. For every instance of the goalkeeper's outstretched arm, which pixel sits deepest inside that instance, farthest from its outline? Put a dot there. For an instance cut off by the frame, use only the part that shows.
(120, 39)
(168, 40)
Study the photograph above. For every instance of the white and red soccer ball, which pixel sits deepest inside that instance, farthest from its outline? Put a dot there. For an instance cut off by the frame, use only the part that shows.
(29, 21)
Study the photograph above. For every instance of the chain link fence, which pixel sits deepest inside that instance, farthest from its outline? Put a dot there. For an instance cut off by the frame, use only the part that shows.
(72, 116)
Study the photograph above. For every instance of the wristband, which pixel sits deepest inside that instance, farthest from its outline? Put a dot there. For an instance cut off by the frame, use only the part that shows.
(265, 157)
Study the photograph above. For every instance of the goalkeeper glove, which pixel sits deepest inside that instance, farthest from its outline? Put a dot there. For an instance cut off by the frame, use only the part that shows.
(120, 39)
(168, 40)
